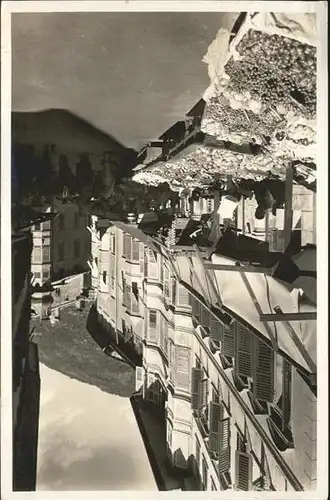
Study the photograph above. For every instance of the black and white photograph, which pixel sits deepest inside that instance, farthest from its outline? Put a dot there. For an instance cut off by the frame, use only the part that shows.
(163, 309)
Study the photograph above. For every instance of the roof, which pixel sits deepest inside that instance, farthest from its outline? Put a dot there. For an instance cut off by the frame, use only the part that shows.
(198, 109)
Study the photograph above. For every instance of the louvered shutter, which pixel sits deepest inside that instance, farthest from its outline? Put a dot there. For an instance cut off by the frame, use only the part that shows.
(243, 470)
(196, 377)
(228, 342)
(215, 416)
(205, 318)
(135, 251)
(196, 307)
(182, 369)
(203, 393)
(224, 446)
(263, 376)
(243, 351)
(216, 329)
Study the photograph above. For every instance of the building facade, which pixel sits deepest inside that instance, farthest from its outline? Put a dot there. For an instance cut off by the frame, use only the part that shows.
(61, 246)
(234, 382)
(25, 366)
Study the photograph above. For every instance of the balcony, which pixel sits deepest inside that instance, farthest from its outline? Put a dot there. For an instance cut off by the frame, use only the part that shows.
(105, 335)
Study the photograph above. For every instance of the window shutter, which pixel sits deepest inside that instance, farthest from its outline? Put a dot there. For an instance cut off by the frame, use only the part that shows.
(263, 376)
(196, 377)
(228, 343)
(205, 318)
(215, 416)
(224, 445)
(196, 307)
(243, 470)
(135, 251)
(243, 354)
(182, 370)
(216, 329)
(203, 392)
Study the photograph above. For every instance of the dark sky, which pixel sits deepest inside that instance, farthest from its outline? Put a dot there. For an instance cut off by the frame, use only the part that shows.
(130, 74)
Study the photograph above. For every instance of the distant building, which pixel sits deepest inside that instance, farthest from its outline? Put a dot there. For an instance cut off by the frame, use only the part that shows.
(25, 366)
(229, 383)
(61, 247)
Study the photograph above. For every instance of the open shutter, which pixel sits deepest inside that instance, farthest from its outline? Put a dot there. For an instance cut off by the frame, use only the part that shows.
(196, 377)
(215, 416)
(224, 446)
(228, 343)
(205, 318)
(195, 308)
(203, 393)
(243, 354)
(263, 376)
(182, 367)
(243, 470)
(216, 329)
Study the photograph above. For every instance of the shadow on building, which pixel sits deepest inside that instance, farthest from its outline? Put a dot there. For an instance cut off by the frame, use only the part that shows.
(124, 344)
(26, 379)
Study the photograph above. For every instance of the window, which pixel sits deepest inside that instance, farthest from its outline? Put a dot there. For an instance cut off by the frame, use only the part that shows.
(183, 296)
(279, 420)
(46, 254)
(204, 473)
(135, 251)
(182, 368)
(113, 243)
(135, 299)
(46, 274)
(46, 241)
(37, 274)
(37, 226)
(104, 277)
(76, 249)
(46, 225)
(152, 326)
(166, 282)
(36, 255)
